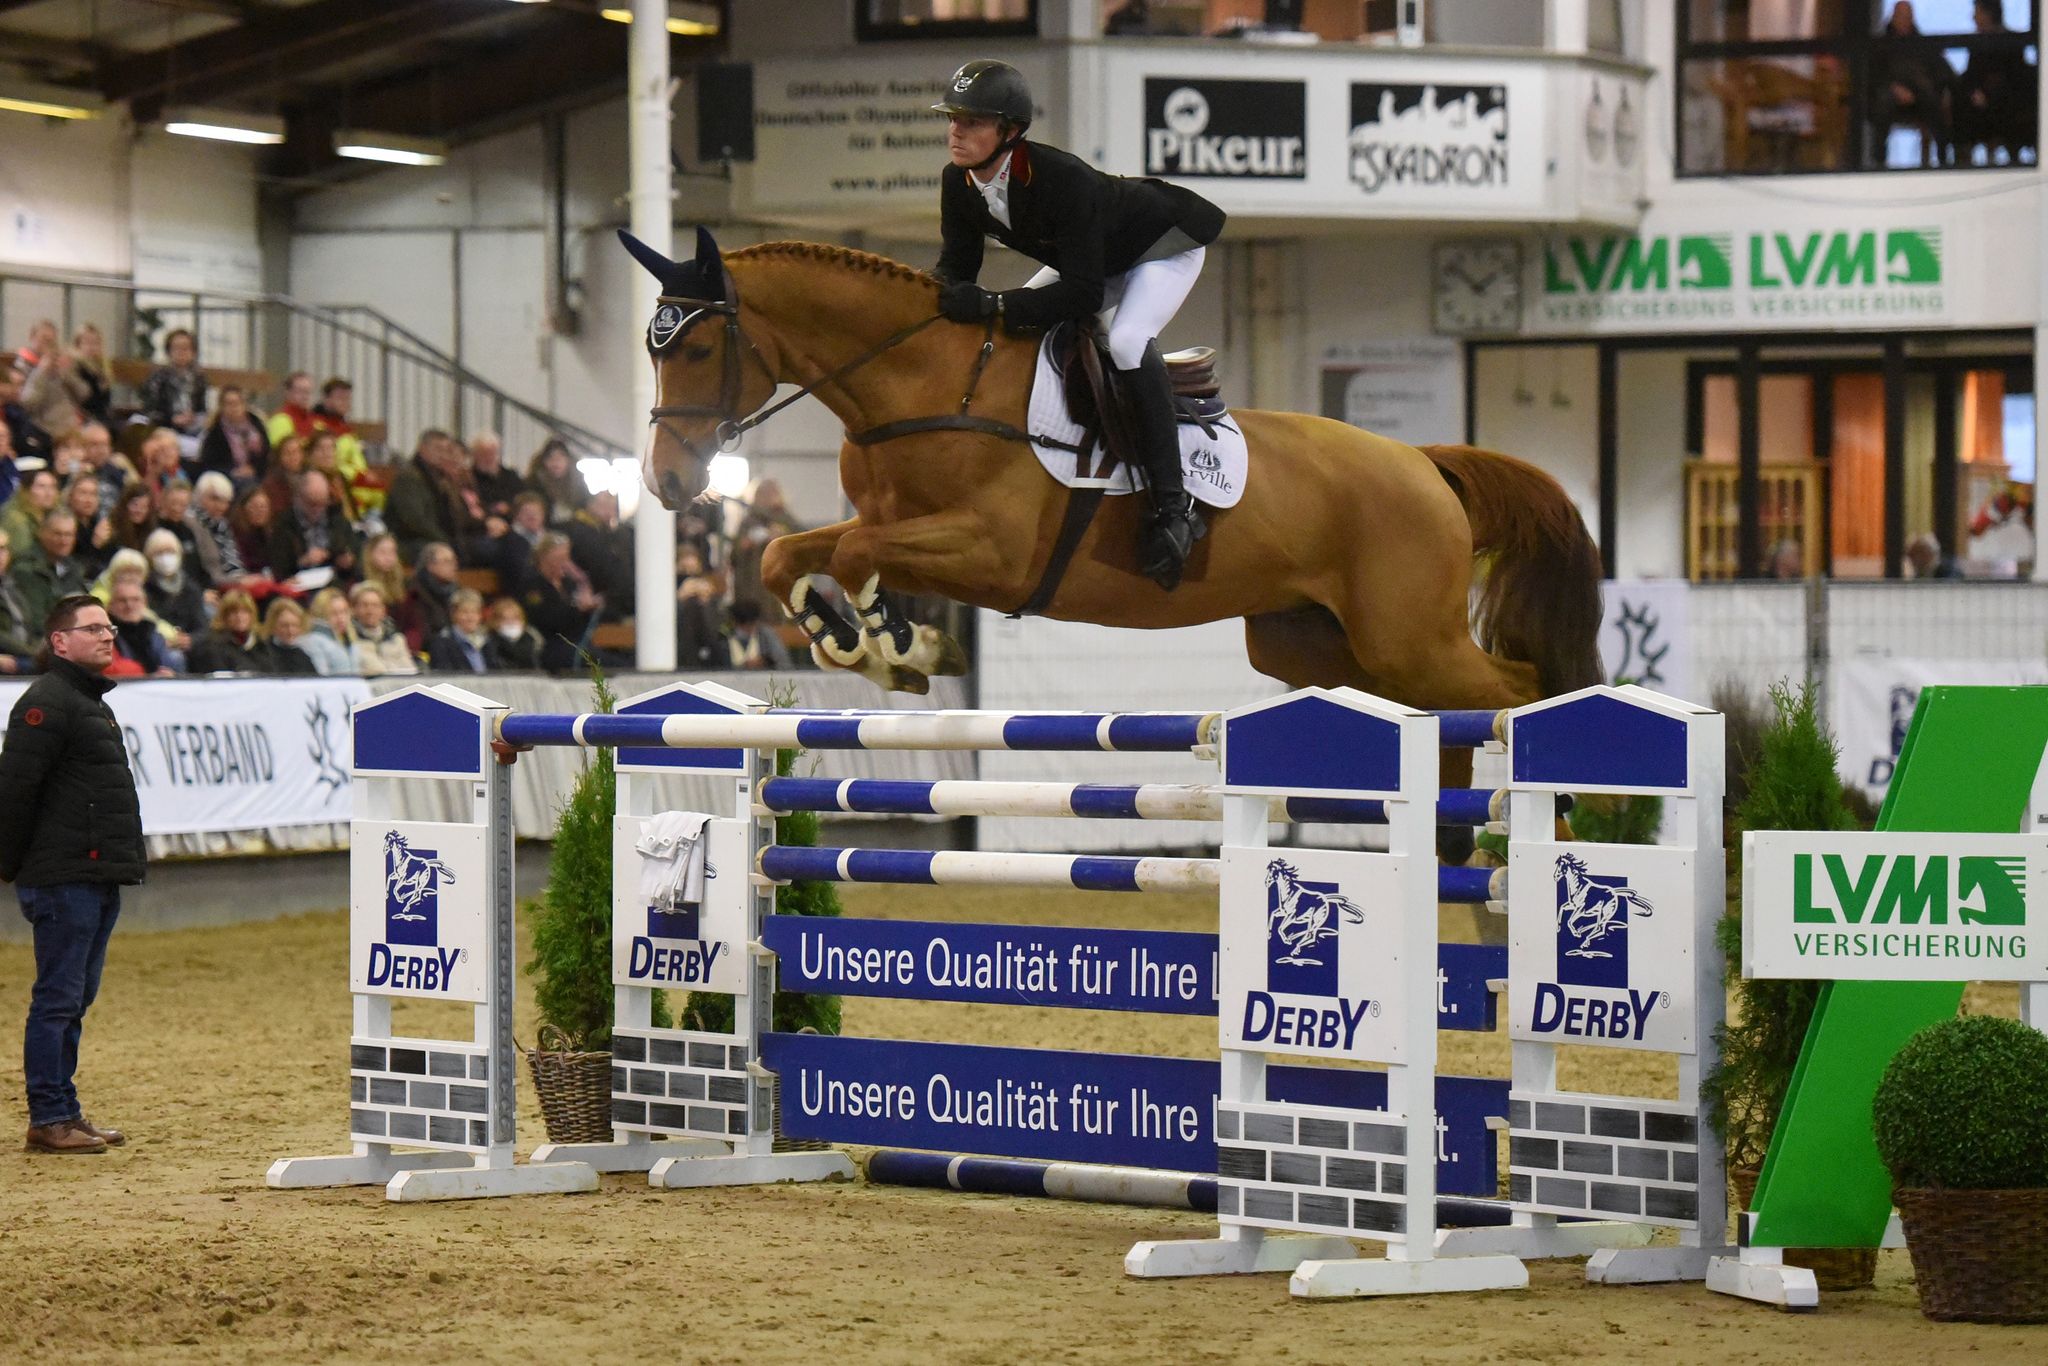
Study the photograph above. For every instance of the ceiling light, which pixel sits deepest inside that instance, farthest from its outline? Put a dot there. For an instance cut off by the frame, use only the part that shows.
(389, 147)
(45, 109)
(223, 125)
(686, 18)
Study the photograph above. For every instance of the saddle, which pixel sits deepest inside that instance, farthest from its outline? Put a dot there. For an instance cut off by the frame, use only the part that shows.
(1095, 400)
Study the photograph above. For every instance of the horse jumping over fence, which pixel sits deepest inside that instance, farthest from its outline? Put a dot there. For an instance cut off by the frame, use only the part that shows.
(1350, 559)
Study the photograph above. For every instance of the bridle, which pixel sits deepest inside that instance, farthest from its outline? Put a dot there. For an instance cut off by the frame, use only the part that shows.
(671, 323)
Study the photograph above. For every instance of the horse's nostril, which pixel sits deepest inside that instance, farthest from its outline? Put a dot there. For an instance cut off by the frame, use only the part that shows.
(673, 495)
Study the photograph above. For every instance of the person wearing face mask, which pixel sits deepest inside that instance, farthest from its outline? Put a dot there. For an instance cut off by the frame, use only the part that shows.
(232, 646)
(330, 644)
(173, 594)
(463, 646)
(514, 648)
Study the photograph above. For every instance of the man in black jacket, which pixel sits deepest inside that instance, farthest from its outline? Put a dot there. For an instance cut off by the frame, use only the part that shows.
(1135, 245)
(70, 837)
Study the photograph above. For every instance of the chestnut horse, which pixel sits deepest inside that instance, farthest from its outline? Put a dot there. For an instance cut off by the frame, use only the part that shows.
(1351, 557)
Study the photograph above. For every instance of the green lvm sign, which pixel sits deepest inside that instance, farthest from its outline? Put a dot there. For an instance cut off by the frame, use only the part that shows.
(1894, 906)
(1839, 273)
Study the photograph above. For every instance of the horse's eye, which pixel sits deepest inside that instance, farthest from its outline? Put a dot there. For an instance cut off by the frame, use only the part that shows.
(696, 353)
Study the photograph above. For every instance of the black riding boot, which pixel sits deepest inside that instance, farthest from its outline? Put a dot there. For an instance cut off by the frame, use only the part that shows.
(1174, 527)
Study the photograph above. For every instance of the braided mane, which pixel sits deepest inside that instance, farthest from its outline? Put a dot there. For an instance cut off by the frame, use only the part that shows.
(866, 262)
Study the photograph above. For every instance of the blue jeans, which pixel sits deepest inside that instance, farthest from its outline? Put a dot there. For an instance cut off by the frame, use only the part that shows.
(72, 921)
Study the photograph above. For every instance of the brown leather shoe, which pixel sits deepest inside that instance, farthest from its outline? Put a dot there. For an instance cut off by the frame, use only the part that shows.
(66, 1137)
(113, 1138)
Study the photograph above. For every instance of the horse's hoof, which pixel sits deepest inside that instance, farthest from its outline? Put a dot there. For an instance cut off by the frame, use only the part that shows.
(908, 680)
(952, 659)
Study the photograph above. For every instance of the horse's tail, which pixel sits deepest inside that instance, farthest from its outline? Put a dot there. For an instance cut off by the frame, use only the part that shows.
(1539, 597)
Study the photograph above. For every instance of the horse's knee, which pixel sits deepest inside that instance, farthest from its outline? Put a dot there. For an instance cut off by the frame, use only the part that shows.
(779, 569)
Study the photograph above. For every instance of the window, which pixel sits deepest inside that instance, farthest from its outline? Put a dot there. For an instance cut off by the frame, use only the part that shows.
(1778, 86)
(886, 20)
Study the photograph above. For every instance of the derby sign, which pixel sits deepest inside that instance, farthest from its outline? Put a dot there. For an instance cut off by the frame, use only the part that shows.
(1895, 907)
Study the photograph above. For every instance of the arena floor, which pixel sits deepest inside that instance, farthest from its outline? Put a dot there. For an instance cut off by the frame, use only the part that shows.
(221, 1049)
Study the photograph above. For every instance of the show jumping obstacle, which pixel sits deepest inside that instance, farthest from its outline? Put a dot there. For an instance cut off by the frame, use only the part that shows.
(1313, 755)
(1327, 955)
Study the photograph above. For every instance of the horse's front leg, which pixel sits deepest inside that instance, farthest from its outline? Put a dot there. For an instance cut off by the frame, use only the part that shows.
(950, 548)
(788, 567)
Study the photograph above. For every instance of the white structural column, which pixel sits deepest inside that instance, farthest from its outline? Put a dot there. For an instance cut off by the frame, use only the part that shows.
(649, 193)
(1565, 26)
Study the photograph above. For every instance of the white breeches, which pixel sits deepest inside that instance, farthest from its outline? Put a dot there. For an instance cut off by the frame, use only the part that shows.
(1137, 305)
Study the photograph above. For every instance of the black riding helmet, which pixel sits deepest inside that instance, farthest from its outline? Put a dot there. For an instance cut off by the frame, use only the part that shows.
(991, 88)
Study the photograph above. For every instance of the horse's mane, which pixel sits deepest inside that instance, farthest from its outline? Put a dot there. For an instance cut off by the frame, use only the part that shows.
(846, 258)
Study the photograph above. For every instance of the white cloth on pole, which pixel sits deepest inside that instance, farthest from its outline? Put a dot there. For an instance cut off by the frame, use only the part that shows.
(671, 849)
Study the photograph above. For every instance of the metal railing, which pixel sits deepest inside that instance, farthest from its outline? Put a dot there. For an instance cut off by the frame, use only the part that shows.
(400, 379)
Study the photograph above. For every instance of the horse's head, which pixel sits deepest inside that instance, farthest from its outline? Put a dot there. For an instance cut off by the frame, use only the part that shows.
(704, 383)
(1280, 871)
(1571, 863)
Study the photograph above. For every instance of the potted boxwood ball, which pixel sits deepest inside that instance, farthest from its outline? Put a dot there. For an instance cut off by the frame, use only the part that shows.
(1962, 1124)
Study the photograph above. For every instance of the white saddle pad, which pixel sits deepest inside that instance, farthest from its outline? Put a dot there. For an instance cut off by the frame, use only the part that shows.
(1214, 466)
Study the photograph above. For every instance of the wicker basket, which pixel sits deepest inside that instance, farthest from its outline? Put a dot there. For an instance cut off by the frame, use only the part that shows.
(575, 1089)
(1833, 1268)
(1979, 1256)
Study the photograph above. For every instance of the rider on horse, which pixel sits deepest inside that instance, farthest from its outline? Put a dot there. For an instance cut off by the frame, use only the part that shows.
(1135, 246)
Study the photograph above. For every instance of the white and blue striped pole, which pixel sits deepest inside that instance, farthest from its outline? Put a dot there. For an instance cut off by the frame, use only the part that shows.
(1097, 801)
(1147, 732)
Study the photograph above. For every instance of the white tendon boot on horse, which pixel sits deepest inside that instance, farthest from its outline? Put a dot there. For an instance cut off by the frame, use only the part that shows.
(930, 650)
(810, 610)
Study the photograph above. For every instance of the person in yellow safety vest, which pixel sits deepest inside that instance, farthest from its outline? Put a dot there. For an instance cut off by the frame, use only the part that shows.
(331, 415)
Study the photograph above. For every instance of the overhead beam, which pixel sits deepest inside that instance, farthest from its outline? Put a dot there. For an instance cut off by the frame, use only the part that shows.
(52, 53)
(287, 46)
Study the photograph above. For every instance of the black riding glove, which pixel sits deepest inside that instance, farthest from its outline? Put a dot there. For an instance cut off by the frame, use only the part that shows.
(963, 301)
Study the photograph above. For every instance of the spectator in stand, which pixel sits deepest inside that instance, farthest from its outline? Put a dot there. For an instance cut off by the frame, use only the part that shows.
(135, 517)
(512, 554)
(220, 555)
(560, 604)
(331, 642)
(513, 644)
(424, 611)
(173, 506)
(48, 571)
(250, 518)
(232, 646)
(17, 633)
(160, 461)
(67, 455)
(133, 565)
(95, 532)
(463, 646)
(235, 443)
(174, 395)
(700, 635)
(25, 436)
(10, 471)
(173, 594)
(33, 499)
(382, 567)
(321, 455)
(337, 398)
(139, 641)
(604, 551)
(313, 534)
(91, 387)
(41, 344)
(767, 517)
(497, 486)
(380, 646)
(431, 499)
(287, 463)
(282, 648)
(552, 473)
(753, 644)
(97, 444)
(294, 416)
(46, 391)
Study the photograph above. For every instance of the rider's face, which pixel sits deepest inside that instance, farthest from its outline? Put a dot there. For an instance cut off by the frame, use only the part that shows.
(971, 138)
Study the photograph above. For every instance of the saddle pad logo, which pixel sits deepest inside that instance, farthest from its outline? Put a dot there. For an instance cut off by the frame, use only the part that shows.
(413, 879)
(1593, 917)
(1301, 931)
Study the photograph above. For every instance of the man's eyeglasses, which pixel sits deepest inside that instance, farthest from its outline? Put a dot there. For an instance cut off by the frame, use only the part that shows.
(100, 630)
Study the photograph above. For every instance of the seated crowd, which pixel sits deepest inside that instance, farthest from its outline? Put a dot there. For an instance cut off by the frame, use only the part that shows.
(225, 541)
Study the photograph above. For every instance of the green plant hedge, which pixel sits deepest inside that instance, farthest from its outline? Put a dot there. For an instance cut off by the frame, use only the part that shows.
(1964, 1105)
